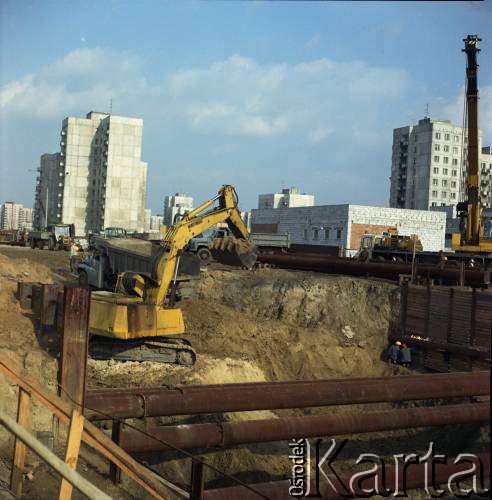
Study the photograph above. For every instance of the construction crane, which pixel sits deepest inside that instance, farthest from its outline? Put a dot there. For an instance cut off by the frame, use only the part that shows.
(140, 321)
(470, 238)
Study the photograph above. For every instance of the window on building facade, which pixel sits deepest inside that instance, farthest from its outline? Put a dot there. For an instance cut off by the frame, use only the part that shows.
(436, 159)
(339, 234)
(433, 204)
(434, 194)
(435, 182)
(453, 184)
(443, 194)
(454, 173)
(446, 137)
(455, 150)
(437, 147)
(445, 171)
(445, 159)
(455, 161)
(436, 170)
(484, 165)
(437, 135)
(456, 138)
(315, 234)
(444, 183)
(452, 196)
(327, 233)
(305, 235)
(446, 149)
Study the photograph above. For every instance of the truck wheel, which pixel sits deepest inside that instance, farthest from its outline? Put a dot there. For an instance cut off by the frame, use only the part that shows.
(204, 255)
(51, 244)
(32, 244)
(83, 279)
(40, 244)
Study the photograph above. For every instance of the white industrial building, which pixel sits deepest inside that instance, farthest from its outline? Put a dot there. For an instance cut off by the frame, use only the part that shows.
(175, 206)
(429, 166)
(344, 225)
(15, 216)
(290, 197)
(97, 179)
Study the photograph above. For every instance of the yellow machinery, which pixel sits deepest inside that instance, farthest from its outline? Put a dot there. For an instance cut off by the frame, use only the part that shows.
(139, 321)
(470, 238)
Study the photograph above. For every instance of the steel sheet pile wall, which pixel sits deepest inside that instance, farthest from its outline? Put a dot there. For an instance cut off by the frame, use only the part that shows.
(453, 325)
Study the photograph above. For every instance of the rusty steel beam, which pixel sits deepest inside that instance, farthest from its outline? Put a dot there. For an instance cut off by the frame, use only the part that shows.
(74, 344)
(386, 270)
(416, 476)
(226, 434)
(191, 400)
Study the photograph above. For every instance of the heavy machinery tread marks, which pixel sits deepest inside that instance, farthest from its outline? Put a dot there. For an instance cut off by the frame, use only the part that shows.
(156, 349)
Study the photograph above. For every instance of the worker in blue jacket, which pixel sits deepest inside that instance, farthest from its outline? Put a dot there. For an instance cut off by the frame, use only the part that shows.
(394, 352)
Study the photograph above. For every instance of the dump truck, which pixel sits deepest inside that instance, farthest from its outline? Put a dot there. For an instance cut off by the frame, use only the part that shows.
(13, 237)
(55, 237)
(264, 242)
(110, 256)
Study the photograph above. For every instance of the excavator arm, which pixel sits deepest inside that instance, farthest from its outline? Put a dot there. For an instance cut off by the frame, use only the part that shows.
(192, 224)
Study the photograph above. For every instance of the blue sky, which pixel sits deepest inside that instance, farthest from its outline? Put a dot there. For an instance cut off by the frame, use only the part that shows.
(257, 94)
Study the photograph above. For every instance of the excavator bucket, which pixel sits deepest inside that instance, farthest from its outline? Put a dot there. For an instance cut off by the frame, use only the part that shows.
(233, 251)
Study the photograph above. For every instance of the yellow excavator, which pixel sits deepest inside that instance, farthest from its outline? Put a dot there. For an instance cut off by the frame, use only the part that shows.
(140, 321)
(471, 236)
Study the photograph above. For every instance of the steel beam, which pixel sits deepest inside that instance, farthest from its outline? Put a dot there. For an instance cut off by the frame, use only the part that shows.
(191, 400)
(415, 476)
(279, 429)
(386, 270)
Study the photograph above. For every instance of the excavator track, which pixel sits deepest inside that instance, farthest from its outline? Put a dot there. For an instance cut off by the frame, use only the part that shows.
(157, 349)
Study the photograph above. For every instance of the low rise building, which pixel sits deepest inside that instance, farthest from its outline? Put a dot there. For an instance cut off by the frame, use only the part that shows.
(290, 197)
(156, 221)
(344, 225)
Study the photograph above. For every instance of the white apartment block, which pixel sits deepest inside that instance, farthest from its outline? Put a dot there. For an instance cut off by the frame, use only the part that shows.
(428, 167)
(344, 225)
(175, 206)
(97, 179)
(15, 216)
(156, 221)
(290, 197)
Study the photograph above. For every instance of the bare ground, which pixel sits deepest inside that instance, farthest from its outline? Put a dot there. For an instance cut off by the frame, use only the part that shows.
(246, 326)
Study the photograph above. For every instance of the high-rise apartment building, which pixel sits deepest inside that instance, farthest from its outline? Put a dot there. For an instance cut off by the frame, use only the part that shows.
(97, 179)
(15, 216)
(429, 166)
(288, 198)
(175, 206)
(10, 215)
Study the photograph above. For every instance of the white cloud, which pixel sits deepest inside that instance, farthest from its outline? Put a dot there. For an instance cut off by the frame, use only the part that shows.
(453, 111)
(83, 79)
(319, 134)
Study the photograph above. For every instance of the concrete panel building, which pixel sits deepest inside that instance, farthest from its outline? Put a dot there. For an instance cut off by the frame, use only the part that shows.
(176, 205)
(97, 179)
(290, 197)
(10, 215)
(156, 221)
(428, 166)
(344, 225)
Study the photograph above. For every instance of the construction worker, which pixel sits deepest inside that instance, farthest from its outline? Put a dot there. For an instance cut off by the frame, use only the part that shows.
(394, 352)
(405, 355)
